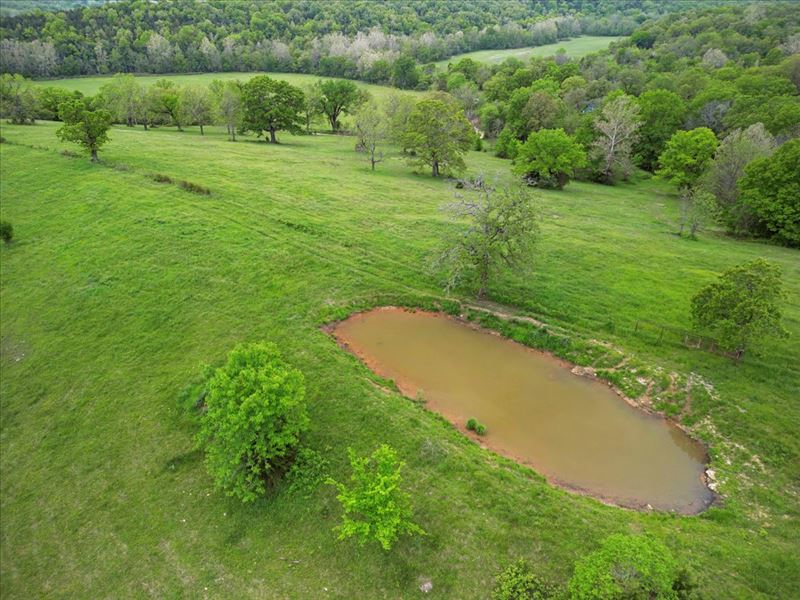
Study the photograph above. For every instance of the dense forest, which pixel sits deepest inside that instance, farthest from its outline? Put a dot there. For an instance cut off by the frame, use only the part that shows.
(356, 39)
(10, 8)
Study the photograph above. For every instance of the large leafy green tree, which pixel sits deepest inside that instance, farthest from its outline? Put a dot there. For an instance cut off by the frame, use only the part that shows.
(271, 106)
(662, 113)
(770, 189)
(88, 128)
(50, 98)
(687, 155)
(255, 414)
(374, 504)
(501, 231)
(549, 157)
(742, 307)
(337, 97)
(163, 104)
(439, 134)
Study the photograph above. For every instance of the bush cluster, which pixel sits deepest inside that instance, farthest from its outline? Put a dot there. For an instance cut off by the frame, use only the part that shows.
(255, 414)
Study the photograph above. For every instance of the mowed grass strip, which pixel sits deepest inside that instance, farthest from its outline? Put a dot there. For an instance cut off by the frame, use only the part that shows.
(575, 48)
(118, 287)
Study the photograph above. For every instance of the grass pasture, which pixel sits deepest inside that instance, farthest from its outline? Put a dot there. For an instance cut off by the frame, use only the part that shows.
(118, 288)
(89, 86)
(576, 48)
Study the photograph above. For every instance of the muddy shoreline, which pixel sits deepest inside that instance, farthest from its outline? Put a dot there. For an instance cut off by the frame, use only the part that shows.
(410, 391)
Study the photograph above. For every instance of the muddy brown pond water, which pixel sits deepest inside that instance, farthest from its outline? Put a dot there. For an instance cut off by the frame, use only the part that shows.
(574, 430)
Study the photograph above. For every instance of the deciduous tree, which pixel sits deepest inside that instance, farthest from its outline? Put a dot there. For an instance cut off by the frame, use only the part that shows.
(18, 102)
(618, 125)
(124, 97)
(375, 506)
(735, 152)
(548, 158)
(88, 128)
(742, 307)
(371, 130)
(197, 105)
(662, 113)
(770, 189)
(255, 414)
(439, 134)
(405, 73)
(337, 97)
(312, 104)
(500, 231)
(228, 104)
(271, 106)
(686, 156)
(163, 103)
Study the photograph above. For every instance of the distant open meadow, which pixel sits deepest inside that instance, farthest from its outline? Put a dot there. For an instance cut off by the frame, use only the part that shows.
(574, 48)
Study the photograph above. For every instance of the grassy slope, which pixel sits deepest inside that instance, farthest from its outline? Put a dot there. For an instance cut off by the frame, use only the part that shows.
(119, 287)
(576, 48)
(90, 85)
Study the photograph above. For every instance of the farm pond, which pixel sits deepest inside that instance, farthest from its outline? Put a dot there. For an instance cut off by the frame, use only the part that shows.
(574, 430)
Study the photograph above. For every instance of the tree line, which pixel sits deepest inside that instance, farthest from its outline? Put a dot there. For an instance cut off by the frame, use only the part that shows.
(700, 110)
(354, 39)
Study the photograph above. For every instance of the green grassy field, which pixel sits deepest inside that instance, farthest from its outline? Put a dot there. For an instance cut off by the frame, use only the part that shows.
(576, 48)
(118, 288)
(90, 85)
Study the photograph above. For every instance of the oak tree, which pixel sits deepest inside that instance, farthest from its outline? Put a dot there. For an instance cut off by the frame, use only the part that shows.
(439, 134)
(270, 106)
(88, 128)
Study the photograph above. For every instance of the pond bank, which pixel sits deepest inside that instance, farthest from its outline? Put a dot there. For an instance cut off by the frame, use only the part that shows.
(538, 410)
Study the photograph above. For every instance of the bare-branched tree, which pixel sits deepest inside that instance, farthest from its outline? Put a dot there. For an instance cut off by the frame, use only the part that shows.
(496, 227)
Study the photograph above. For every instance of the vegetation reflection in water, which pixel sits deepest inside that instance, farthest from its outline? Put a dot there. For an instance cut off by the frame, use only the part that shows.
(574, 430)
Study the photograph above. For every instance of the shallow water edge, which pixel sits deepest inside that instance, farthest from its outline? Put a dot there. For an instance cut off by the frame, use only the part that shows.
(545, 459)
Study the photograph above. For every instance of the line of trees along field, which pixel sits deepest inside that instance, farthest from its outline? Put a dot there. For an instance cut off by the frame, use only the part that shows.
(708, 99)
(374, 41)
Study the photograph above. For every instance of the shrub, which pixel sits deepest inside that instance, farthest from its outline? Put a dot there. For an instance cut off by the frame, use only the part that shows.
(255, 413)
(480, 429)
(374, 505)
(195, 188)
(307, 472)
(518, 582)
(472, 424)
(6, 231)
(626, 566)
(161, 178)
